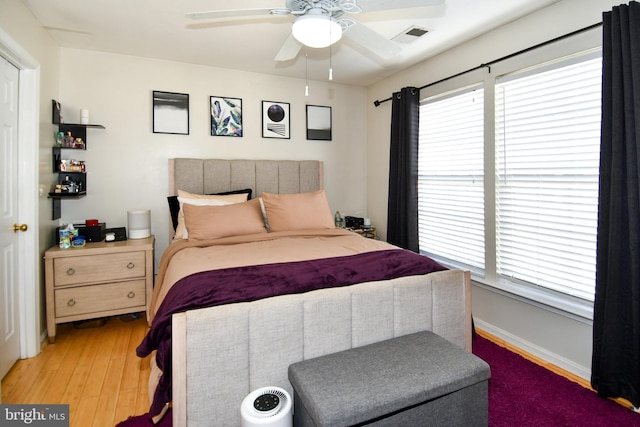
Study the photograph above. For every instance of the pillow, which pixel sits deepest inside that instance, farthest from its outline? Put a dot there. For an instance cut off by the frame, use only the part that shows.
(174, 205)
(297, 211)
(264, 214)
(215, 222)
(185, 197)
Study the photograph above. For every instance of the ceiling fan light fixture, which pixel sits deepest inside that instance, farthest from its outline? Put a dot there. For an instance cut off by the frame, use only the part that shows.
(316, 30)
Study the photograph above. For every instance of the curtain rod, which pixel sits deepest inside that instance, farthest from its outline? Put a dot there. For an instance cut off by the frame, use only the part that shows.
(489, 64)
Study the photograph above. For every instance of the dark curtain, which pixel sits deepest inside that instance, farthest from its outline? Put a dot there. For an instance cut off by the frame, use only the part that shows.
(402, 210)
(616, 318)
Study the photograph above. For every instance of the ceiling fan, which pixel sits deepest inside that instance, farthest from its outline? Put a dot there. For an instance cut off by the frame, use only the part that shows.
(320, 23)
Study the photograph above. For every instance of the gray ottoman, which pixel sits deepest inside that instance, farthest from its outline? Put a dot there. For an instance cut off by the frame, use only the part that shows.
(419, 379)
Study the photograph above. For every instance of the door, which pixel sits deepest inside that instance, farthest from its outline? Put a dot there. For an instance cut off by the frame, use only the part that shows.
(9, 236)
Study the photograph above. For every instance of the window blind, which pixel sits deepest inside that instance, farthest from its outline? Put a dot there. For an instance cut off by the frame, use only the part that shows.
(451, 180)
(547, 160)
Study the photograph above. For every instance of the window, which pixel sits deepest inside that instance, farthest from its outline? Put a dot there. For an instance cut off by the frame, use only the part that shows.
(451, 182)
(516, 205)
(548, 148)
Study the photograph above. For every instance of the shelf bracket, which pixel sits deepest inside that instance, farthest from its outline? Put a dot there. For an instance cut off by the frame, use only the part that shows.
(56, 211)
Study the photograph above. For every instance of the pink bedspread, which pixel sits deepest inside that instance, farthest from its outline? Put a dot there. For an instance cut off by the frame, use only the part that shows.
(184, 257)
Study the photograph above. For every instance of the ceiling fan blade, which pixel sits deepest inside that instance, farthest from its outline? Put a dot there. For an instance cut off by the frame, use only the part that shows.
(289, 49)
(372, 41)
(232, 13)
(376, 5)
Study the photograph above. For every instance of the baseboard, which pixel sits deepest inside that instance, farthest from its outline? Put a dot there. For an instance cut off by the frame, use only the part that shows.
(547, 359)
(544, 356)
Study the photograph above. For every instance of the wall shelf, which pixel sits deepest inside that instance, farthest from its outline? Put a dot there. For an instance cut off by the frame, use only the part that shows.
(78, 130)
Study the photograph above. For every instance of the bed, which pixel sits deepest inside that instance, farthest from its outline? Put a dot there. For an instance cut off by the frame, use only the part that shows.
(237, 301)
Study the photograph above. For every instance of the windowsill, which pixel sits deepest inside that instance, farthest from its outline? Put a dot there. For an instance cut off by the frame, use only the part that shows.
(568, 306)
(556, 302)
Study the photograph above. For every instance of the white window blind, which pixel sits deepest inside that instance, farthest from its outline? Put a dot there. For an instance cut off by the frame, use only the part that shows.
(451, 180)
(547, 147)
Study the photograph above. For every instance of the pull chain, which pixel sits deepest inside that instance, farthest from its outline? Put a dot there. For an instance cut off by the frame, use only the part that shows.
(306, 74)
(330, 63)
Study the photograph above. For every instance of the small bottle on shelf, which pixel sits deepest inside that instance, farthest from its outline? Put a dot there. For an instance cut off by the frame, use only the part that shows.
(69, 141)
(59, 139)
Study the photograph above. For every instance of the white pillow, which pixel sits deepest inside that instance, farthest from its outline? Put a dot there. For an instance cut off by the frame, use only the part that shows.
(202, 200)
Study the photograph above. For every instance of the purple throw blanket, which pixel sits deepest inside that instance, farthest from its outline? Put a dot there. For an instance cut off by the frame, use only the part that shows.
(250, 283)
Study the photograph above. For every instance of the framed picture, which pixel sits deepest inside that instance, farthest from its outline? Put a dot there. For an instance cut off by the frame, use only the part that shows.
(318, 123)
(276, 122)
(170, 112)
(226, 116)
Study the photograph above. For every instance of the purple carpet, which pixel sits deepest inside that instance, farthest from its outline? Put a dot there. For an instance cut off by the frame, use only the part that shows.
(521, 394)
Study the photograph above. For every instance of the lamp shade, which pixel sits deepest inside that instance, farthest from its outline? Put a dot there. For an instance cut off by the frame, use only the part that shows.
(316, 30)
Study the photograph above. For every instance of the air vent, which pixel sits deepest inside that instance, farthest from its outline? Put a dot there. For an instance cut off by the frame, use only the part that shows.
(410, 35)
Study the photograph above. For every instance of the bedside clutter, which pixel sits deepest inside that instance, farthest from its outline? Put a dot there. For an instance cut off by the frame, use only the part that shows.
(354, 222)
(362, 226)
(94, 231)
(91, 233)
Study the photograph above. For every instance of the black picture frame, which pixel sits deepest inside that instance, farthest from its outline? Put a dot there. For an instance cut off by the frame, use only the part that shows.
(319, 126)
(170, 112)
(276, 120)
(226, 116)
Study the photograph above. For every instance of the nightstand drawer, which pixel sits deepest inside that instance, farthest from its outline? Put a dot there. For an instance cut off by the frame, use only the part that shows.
(107, 267)
(97, 298)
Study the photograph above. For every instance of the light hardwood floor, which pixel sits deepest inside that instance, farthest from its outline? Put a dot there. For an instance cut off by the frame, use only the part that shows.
(94, 370)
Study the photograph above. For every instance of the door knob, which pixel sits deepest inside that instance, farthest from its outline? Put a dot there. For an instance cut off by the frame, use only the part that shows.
(17, 227)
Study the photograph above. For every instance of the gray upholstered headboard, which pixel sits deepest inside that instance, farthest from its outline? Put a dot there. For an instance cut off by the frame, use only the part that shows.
(206, 176)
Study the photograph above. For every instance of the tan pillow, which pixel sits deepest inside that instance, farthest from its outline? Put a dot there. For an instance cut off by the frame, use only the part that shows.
(215, 222)
(185, 197)
(297, 211)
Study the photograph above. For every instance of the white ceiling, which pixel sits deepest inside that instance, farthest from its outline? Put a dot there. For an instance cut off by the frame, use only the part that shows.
(159, 29)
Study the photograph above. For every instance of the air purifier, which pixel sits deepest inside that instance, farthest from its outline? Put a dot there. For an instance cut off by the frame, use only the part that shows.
(139, 224)
(267, 406)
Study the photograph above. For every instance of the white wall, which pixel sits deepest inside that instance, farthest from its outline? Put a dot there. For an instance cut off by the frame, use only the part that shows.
(127, 162)
(565, 341)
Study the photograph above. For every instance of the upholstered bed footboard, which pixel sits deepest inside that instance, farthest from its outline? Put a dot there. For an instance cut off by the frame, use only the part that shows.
(221, 354)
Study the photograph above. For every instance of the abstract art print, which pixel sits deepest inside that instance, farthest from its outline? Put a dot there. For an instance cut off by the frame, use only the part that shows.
(226, 116)
(170, 112)
(318, 123)
(276, 122)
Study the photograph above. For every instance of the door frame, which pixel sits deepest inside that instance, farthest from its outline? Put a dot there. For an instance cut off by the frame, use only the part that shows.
(28, 207)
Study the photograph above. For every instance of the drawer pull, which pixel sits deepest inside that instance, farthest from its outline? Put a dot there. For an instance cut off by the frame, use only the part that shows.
(71, 302)
(131, 294)
(131, 265)
(71, 271)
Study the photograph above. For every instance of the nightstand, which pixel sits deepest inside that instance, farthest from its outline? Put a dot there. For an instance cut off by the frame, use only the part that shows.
(369, 233)
(98, 280)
